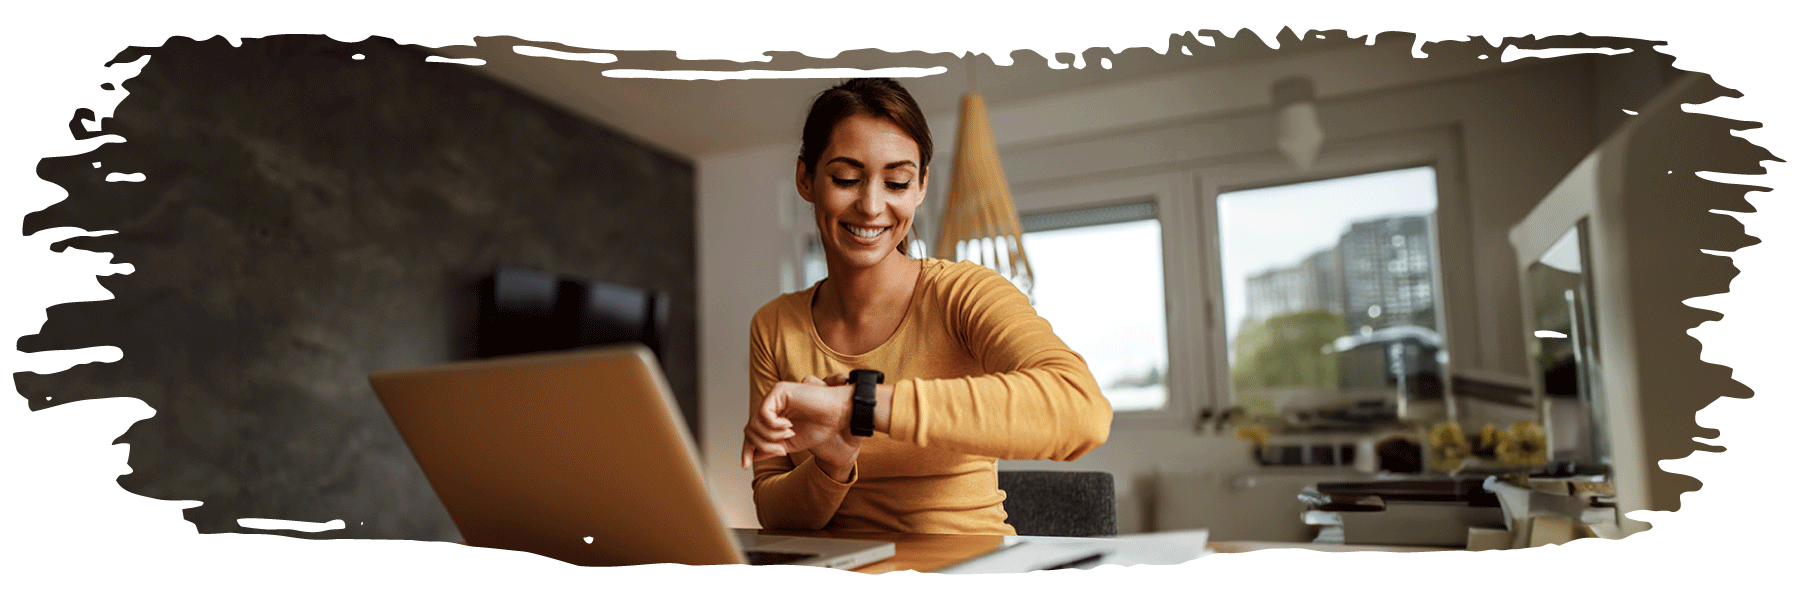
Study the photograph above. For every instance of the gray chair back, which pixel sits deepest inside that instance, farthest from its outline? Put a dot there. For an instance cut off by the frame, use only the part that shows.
(1066, 503)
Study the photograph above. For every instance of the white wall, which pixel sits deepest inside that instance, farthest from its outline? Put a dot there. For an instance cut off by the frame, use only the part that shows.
(741, 247)
(1519, 131)
(1648, 217)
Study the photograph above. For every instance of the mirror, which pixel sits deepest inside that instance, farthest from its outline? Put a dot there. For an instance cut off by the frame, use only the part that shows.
(1564, 357)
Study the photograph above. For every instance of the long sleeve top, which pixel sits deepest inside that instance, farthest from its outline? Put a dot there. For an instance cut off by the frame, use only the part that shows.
(978, 376)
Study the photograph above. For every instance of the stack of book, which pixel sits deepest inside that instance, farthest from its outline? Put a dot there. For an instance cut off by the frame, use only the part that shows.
(1551, 510)
(1403, 512)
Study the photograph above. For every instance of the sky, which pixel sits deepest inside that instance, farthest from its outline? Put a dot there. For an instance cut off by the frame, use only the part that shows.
(1101, 288)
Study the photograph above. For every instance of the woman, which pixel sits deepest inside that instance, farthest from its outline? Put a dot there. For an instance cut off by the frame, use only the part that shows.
(971, 373)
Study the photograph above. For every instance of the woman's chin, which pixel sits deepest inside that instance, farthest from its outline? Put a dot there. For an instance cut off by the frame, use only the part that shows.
(866, 257)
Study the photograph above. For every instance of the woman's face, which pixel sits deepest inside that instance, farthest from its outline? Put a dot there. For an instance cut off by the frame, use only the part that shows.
(864, 190)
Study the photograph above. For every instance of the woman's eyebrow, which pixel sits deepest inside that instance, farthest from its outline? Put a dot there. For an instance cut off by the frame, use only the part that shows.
(858, 164)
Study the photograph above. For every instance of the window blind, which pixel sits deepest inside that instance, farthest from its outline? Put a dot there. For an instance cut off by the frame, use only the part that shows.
(1137, 210)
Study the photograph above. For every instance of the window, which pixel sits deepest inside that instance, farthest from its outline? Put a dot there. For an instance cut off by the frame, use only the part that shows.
(1330, 291)
(1098, 278)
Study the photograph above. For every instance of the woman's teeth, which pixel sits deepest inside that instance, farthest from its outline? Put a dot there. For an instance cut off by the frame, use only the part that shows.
(865, 232)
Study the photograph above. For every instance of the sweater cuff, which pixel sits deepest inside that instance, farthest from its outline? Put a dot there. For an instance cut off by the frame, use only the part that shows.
(818, 479)
(903, 412)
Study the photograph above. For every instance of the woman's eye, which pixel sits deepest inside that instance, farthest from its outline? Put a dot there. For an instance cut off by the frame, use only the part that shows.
(899, 185)
(844, 182)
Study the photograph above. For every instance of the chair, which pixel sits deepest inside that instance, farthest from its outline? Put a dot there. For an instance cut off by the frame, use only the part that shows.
(1062, 503)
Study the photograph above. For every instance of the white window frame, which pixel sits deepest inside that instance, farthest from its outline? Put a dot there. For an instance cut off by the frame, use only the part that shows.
(1437, 147)
(1187, 359)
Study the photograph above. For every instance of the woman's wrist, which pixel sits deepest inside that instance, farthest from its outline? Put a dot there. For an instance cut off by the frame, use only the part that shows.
(884, 407)
(840, 462)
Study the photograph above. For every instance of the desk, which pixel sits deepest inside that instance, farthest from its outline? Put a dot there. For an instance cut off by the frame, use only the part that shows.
(922, 552)
(927, 552)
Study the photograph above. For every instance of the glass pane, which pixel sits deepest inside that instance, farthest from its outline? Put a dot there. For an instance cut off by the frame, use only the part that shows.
(812, 261)
(1330, 292)
(1101, 288)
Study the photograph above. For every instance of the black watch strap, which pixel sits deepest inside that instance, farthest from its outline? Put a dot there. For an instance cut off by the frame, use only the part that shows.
(862, 401)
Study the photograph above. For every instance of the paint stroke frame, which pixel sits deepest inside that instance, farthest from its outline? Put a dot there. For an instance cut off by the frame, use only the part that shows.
(125, 538)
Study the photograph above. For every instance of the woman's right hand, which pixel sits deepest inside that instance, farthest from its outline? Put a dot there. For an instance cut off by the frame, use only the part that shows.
(806, 416)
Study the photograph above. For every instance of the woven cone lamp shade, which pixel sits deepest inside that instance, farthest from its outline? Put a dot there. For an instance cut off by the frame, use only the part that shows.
(980, 223)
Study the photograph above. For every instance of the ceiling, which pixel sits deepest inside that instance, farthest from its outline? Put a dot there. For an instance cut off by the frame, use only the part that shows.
(694, 119)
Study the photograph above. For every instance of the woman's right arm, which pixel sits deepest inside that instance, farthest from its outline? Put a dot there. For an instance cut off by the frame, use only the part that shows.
(787, 495)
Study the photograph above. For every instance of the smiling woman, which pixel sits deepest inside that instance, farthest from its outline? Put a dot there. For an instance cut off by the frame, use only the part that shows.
(883, 396)
(861, 206)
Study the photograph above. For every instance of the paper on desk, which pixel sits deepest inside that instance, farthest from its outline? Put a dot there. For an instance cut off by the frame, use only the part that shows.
(1519, 504)
(1021, 554)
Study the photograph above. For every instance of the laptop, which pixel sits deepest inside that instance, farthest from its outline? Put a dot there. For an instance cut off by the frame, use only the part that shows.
(580, 456)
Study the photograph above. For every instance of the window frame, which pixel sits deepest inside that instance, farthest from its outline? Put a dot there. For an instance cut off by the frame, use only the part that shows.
(1186, 194)
(1453, 249)
(1180, 281)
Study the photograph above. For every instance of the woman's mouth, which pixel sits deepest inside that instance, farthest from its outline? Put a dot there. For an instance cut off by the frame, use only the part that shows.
(865, 232)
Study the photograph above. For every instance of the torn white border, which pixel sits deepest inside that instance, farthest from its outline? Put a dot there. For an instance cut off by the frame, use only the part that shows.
(284, 524)
(74, 530)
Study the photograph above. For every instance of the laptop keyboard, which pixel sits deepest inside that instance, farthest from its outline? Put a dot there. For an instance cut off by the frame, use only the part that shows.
(765, 557)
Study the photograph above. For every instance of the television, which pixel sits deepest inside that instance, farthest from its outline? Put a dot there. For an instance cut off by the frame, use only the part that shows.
(525, 310)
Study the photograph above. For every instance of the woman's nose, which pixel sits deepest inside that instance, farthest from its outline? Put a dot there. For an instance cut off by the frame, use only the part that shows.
(867, 201)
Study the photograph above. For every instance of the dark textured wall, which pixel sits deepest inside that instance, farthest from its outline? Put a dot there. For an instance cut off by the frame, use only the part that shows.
(308, 217)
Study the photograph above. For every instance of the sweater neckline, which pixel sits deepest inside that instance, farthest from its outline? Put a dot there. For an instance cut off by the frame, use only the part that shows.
(926, 265)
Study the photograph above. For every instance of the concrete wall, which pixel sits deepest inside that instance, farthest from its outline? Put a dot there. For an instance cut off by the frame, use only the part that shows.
(1516, 132)
(308, 217)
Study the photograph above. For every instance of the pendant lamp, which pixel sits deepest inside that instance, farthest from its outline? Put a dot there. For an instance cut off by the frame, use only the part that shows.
(1297, 131)
(980, 223)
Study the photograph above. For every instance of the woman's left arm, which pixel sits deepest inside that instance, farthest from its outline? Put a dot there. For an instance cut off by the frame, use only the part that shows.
(1039, 401)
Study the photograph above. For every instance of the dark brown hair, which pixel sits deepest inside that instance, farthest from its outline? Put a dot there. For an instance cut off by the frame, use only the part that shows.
(879, 97)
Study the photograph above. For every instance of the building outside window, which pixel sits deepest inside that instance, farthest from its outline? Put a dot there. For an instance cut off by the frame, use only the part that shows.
(1330, 291)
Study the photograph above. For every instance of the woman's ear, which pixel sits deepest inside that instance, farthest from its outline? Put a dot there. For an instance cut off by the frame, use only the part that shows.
(801, 181)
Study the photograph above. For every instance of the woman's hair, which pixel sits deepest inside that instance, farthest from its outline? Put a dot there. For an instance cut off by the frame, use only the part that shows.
(875, 96)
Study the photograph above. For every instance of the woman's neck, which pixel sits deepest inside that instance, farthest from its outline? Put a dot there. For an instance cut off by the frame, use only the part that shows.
(876, 296)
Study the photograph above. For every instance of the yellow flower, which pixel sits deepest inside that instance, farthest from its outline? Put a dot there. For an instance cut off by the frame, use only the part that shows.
(1524, 444)
(1448, 446)
(1254, 433)
(1490, 438)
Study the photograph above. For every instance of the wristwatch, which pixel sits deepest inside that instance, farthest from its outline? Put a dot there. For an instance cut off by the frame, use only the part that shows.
(862, 401)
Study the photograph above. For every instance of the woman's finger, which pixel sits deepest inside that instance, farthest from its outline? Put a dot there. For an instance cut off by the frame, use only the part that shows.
(749, 451)
(768, 451)
(810, 380)
(838, 379)
(759, 434)
(767, 436)
(772, 421)
(758, 450)
(770, 411)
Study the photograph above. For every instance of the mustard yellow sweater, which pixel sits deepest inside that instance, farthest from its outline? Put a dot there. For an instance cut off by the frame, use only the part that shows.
(978, 376)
